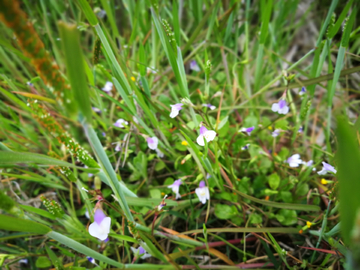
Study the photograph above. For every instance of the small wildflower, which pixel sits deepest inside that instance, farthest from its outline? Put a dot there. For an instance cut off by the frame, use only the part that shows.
(211, 107)
(280, 107)
(97, 110)
(270, 128)
(152, 142)
(324, 181)
(162, 204)
(120, 123)
(300, 130)
(302, 91)
(159, 153)
(92, 260)
(101, 14)
(246, 147)
(24, 261)
(209, 135)
(308, 224)
(309, 163)
(117, 146)
(275, 133)
(175, 188)
(247, 130)
(294, 161)
(194, 66)
(203, 192)
(184, 143)
(175, 109)
(327, 168)
(107, 87)
(140, 252)
(133, 78)
(100, 228)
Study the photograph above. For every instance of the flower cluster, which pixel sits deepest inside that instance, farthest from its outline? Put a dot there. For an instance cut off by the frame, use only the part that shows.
(52, 206)
(202, 191)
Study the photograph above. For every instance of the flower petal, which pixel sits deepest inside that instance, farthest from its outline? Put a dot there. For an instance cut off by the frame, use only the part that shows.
(200, 140)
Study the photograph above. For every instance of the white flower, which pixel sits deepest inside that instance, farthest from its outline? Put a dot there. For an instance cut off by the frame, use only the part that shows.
(280, 107)
(294, 161)
(152, 142)
(120, 123)
(209, 135)
(202, 192)
(107, 87)
(100, 228)
(175, 109)
(175, 188)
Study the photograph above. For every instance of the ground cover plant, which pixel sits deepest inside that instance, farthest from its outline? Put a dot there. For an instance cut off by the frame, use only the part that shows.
(179, 134)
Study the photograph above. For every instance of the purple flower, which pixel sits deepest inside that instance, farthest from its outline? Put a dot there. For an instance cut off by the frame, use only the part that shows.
(100, 228)
(247, 130)
(246, 147)
(275, 133)
(302, 91)
(97, 110)
(107, 87)
(175, 188)
(120, 123)
(300, 130)
(327, 168)
(92, 260)
(194, 66)
(140, 252)
(175, 109)
(280, 107)
(152, 142)
(203, 192)
(159, 153)
(309, 163)
(294, 161)
(209, 135)
(211, 107)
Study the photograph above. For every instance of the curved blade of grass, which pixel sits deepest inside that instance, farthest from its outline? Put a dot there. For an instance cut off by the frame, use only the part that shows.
(82, 249)
(107, 168)
(300, 207)
(75, 67)
(15, 158)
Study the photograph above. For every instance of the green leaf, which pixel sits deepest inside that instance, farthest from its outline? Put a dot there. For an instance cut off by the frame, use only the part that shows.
(274, 181)
(43, 262)
(9, 223)
(256, 219)
(348, 160)
(224, 211)
(17, 158)
(287, 217)
(75, 68)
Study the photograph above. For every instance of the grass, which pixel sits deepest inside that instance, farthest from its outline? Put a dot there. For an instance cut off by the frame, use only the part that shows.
(62, 157)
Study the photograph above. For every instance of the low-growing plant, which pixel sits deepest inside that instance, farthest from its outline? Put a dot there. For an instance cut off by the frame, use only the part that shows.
(179, 135)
